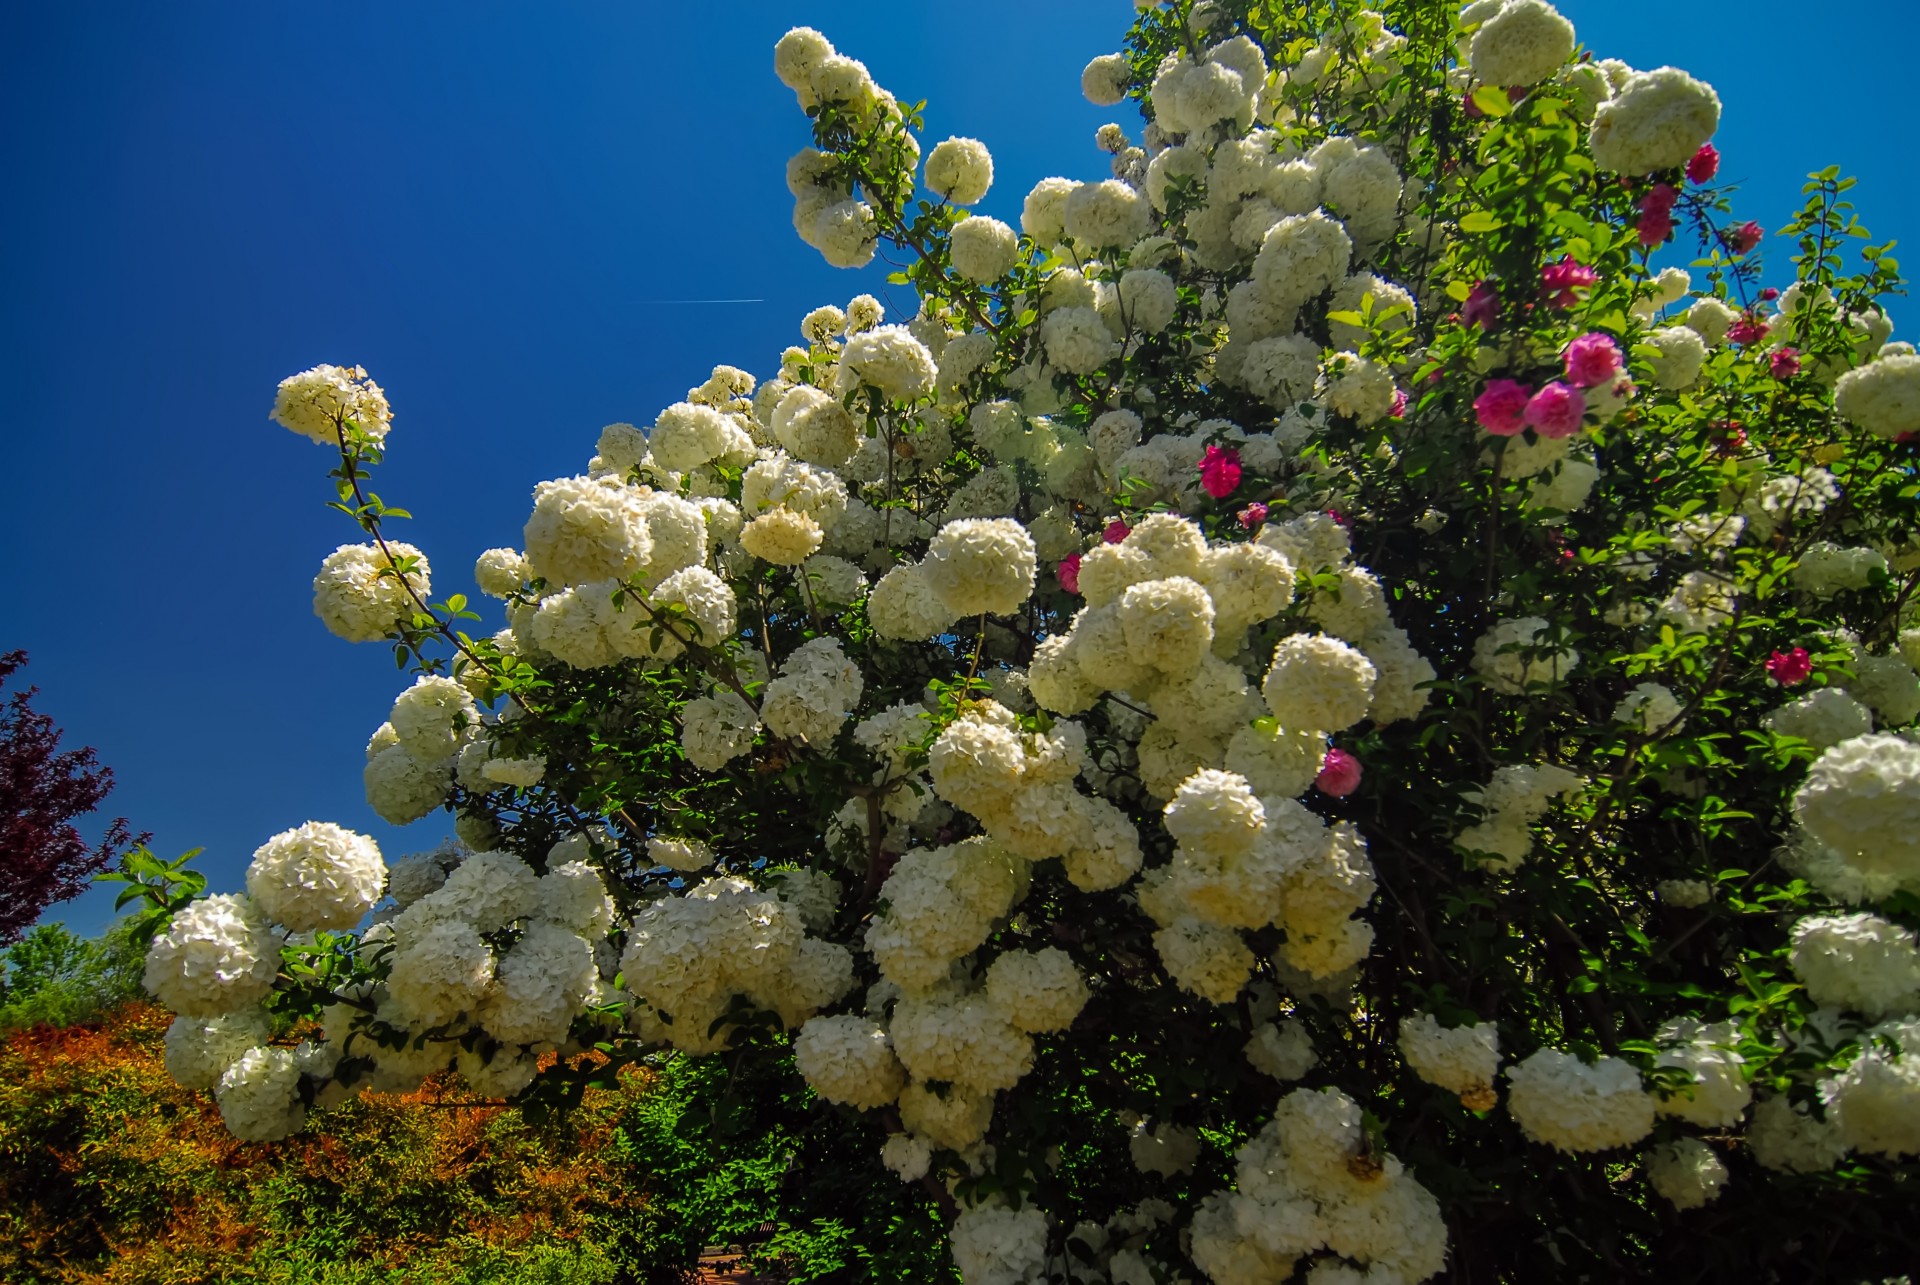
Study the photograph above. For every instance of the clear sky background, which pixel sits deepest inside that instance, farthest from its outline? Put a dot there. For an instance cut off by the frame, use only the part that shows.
(504, 213)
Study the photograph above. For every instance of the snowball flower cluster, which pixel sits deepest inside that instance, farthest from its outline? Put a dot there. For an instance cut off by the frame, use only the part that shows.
(316, 876)
(1574, 1106)
(326, 401)
(216, 957)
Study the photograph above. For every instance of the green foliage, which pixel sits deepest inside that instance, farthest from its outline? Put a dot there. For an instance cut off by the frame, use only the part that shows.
(56, 978)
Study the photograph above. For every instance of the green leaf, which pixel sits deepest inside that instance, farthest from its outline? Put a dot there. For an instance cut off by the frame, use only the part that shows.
(1493, 100)
(1481, 221)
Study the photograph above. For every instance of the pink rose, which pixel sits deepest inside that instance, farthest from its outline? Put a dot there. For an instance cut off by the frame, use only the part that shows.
(1654, 228)
(1339, 775)
(1704, 165)
(1482, 307)
(1559, 280)
(1790, 668)
(1743, 237)
(1117, 530)
(1070, 573)
(1253, 515)
(1785, 363)
(1556, 410)
(1501, 407)
(1220, 471)
(1592, 359)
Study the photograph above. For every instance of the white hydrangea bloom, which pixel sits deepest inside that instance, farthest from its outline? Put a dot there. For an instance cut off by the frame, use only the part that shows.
(999, 1246)
(981, 566)
(1037, 990)
(316, 876)
(1513, 656)
(1859, 962)
(889, 358)
(816, 690)
(1686, 1172)
(1559, 1100)
(1875, 1102)
(428, 719)
(539, 985)
(1300, 256)
(715, 730)
(849, 1059)
(217, 956)
(960, 170)
(199, 1050)
(1282, 1050)
(573, 895)
(984, 249)
(1862, 800)
(1077, 340)
(1657, 120)
(1882, 396)
(360, 593)
(259, 1095)
(1718, 1094)
(1649, 707)
(1165, 1148)
(316, 402)
(1105, 215)
(1524, 43)
(1462, 1059)
(1318, 682)
(501, 572)
(1044, 212)
(401, 788)
(440, 967)
(1680, 355)
(585, 529)
(1787, 1138)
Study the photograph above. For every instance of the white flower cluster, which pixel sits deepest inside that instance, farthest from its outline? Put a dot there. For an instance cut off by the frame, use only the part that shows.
(1512, 801)
(361, 593)
(326, 402)
(1306, 1183)
(1576, 1106)
(1460, 1059)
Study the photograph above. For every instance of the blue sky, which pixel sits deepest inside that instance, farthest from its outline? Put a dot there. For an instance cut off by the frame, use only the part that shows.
(500, 211)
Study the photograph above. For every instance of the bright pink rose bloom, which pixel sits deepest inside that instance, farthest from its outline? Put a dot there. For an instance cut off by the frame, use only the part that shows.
(1339, 518)
(1117, 530)
(1744, 237)
(1660, 199)
(1253, 515)
(1482, 307)
(1560, 280)
(1704, 165)
(1556, 410)
(1501, 407)
(1790, 668)
(1654, 228)
(1592, 359)
(1220, 471)
(1785, 363)
(1339, 775)
(1399, 410)
(1070, 573)
(1748, 330)
(1769, 294)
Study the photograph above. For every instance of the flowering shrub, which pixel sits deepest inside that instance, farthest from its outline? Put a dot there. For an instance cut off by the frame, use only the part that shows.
(1314, 711)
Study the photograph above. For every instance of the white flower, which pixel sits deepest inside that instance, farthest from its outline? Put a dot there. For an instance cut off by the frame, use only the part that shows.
(1282, 1050)
(1680, 356)
(1656, 121)
(1145, 300)
(782, 536)
(1461, 1059)
(1104, 81)
(1882, 396)
(1875, 1103)
(1043, 215)
(1165, 1149)
(981, 566)
(501, 572)
(848, 1059)
(1077, 340)
(984, 249)
(217, 956)
(1718, 1094)
(1357, 388)
(316, 876)
(816, 690)
(813, 425)
(1571, 1106)
(1649, 707)
(1037, 990)
(585, 529)
(402, 788)
(889, 358)
(1300, 256)
(1523, 44)
(1862, 800)
(361, 595)
(1825, 717)
(1204, 959)
(490, 890)
(1318, 682)
(440, 967)
(845, 233)
(1686, 1172)
(1105, 215)
(428, 719)
(259, 1095)
(1859, 962)
(960, 170)
(1684, 894)
(317, 403)
(1513, 656)
(199, 1050)
(996, 1246)
(907, 1155)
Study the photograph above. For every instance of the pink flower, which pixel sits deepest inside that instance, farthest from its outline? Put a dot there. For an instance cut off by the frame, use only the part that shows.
(1220, 471)
(1790, 668)
(1704, 165)
(1744, 237)
(1785, 363)
(1501, 407)
(1339, 518)
(1654, 227)
(1556, 410)
(1748, 330)
(1482, 307)
(1117, 530)
(1253, 515)
(1339, 775)
(1769, 294)
(1592, 359)
(1660, 199)
(1560, 280)
(1399, 410)
(1070, 573)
